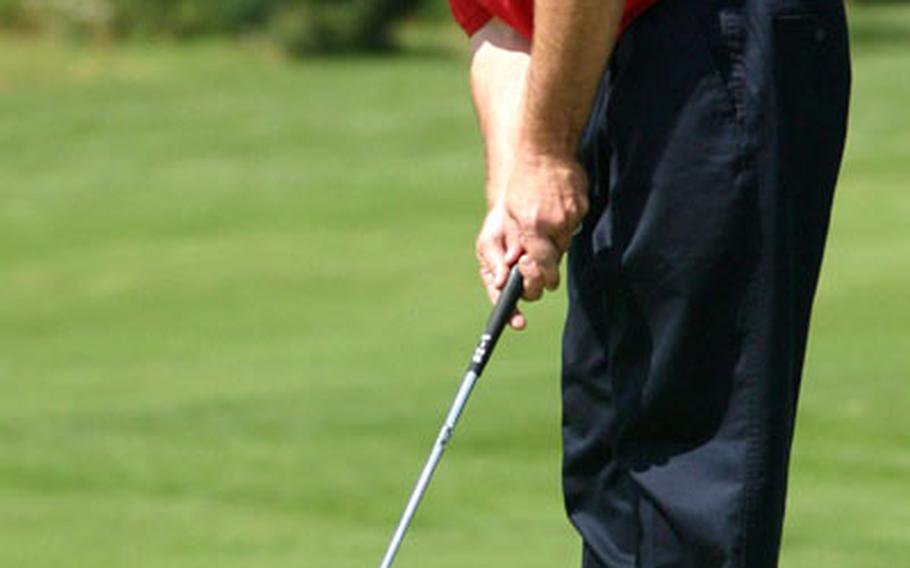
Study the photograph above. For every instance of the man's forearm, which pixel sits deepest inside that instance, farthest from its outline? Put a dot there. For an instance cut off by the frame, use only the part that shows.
(498, 75)
(572, 43)
(532, 110)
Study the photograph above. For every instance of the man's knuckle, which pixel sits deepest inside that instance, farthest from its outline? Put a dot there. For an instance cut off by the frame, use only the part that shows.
(573, 214)
(554, 281)
(531, 220)
(583, 205)
(576, 210)
(551, 220)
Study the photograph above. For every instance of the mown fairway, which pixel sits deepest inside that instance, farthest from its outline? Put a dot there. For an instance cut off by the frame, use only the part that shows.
(236, 294)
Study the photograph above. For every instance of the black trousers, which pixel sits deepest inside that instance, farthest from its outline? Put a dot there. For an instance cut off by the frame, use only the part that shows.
(713, 153)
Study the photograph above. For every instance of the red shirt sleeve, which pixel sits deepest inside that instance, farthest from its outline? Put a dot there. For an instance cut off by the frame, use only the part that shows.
(519, 14)
(470, 15)
(634, 9)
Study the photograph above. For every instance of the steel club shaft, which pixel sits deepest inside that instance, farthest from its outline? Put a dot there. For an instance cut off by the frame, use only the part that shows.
(481, 356)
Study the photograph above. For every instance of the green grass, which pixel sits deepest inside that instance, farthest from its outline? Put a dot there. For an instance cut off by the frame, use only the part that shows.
(849, 499)
(236, 294)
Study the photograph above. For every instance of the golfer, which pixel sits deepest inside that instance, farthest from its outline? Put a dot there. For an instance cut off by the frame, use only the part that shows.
(684, 153)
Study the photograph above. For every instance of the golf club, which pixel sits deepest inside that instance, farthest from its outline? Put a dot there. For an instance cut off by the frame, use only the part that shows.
(497, 322)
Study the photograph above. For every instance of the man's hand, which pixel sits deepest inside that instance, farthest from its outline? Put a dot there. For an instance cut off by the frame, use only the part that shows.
(547, 188)
(498, 72)
(532, 224)
(532, 105)
(546, 199)
(498, 248)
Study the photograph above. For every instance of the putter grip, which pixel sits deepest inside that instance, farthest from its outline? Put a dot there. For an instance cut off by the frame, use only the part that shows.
(506, 304)
(497, 322)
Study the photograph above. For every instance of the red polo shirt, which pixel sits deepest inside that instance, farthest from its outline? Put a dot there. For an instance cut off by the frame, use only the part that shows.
(473, 14)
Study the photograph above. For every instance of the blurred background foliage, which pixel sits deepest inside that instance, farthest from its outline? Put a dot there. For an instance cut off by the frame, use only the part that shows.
(297, 26)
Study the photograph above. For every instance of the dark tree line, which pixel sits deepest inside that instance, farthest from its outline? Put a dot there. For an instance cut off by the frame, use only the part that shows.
(301, 26)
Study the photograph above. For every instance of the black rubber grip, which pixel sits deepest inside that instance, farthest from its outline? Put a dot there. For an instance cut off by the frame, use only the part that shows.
(506, 304)
(503, 310)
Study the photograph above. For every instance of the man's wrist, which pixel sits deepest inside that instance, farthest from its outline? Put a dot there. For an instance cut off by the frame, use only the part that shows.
(546, 154)
(496, 199)
(551, 140)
